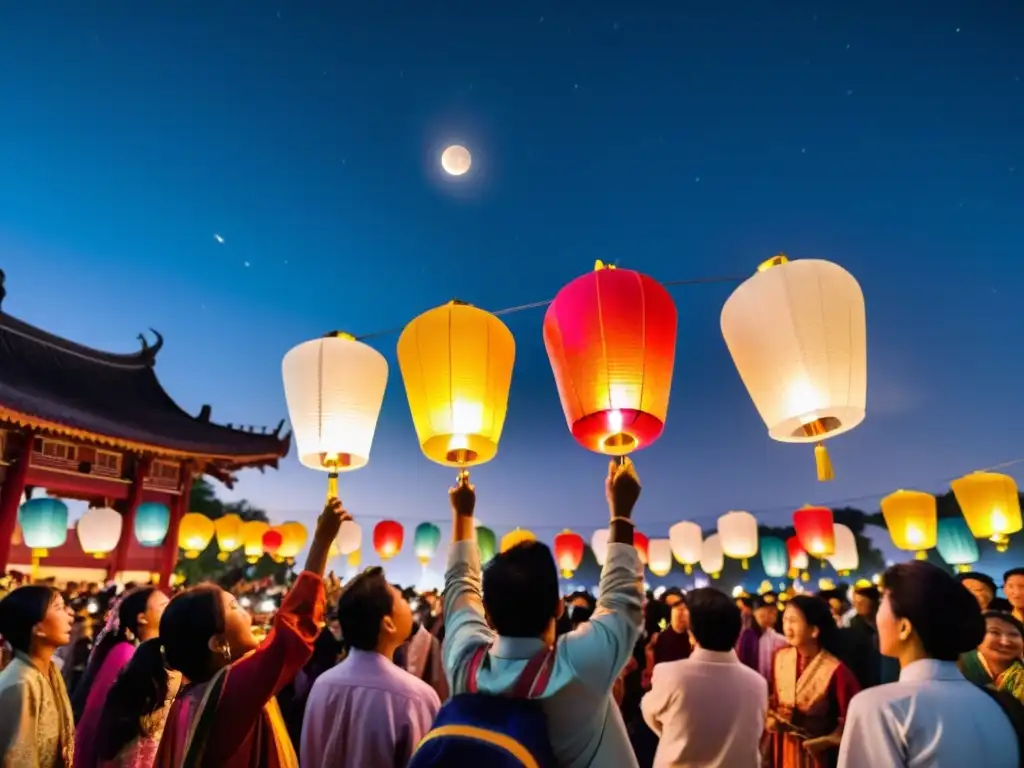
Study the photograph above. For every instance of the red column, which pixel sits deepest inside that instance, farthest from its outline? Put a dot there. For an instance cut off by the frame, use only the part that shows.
(170, 553)
(117, 565)
(10, 498)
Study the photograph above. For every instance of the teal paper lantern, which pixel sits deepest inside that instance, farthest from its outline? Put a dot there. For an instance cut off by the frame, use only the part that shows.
(426, 541)
(44, 523)
(152, 521)
(487, 542)
(774, 557)
(956, 545)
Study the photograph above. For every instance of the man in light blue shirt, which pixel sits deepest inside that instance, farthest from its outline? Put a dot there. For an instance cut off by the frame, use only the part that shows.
(523, 604)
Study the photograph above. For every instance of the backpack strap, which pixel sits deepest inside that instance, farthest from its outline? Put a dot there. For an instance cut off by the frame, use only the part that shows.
(1014, 711)
(530, 684)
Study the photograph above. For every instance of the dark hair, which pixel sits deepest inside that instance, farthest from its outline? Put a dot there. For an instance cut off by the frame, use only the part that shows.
(1012, 572)
(915, 589)
(818, 613)
(521, 592)
(132, 604)
(367, 599)
(871, 593)
(190, 619)
(1006, 617)
(715, 620)
(981, 578)
(747, 600)
(21, 610)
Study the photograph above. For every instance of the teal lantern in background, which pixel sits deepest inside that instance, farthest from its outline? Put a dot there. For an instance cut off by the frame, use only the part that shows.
(425, 541)
(487, 542)
(774, 557)
(956, 545)
(152, 521)
(44, 524)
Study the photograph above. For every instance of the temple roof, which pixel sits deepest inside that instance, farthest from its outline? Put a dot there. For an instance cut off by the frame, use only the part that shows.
(55, 385)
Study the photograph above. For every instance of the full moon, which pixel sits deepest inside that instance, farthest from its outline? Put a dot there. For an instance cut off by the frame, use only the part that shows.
(456, 160)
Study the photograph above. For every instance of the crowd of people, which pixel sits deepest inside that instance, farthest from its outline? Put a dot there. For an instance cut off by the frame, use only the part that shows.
(923, 670)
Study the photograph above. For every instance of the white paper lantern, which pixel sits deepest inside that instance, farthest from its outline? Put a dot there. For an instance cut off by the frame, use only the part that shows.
(334, 387)
(798, 336)
(350, 537)
(659, 556)
(712, 559)
(738, 534)
(599, 545)
(845, 557)
(99, 530)
(687, 544)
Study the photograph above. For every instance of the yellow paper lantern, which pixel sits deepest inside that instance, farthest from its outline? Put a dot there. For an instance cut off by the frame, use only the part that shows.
(913, 521)
(991, 506)
(798, 336)
(518, 536)
(456, 362)
(229, 535)
(252, 539)
(354, 559)
(738, 534)
(687, 544)
(194, 534)
(99, 530)
(712, 559)
(293, 539)
(845, 558)
(659, 556)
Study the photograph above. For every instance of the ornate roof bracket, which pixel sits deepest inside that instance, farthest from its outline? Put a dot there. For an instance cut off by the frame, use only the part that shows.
(149, 352)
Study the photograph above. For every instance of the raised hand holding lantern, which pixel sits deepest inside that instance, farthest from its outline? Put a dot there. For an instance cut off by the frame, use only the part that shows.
(797, 333)
(912, 518)
(334, 388)
(611, 338)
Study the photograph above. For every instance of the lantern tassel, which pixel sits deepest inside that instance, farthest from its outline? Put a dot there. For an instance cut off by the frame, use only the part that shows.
(746, 566)
(688, 569)
(921, 555)
(824, 463)
(332, 485)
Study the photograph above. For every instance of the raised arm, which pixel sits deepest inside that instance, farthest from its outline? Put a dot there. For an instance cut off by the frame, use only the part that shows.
(465, 627)
(598, 649)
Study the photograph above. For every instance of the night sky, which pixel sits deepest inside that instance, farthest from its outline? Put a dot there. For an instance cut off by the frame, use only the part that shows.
(245, 176)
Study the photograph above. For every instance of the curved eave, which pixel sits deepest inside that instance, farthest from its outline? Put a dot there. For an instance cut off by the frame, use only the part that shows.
(27, 421)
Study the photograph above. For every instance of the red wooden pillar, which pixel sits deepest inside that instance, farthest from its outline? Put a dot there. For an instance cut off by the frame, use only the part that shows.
(117, 565)
(10, 498)
(170, 551)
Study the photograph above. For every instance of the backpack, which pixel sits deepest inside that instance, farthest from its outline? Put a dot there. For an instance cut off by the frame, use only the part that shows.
(502, 731)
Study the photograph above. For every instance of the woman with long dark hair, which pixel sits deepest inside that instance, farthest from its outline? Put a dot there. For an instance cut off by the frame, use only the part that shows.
(36, 725)
(811, 688)
(227, 715)
(133, 620)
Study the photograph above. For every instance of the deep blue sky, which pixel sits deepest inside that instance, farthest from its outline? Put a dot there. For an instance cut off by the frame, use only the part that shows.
(682, 142)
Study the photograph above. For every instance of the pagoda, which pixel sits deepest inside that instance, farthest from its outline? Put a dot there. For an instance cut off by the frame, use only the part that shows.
(99, 427)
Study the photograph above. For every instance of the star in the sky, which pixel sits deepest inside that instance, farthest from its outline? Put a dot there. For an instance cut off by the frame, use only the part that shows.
(218, 238)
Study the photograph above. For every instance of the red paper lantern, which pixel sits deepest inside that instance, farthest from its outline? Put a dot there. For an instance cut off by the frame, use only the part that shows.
(568, 552)
(641, 543)
(387, 538)
(816, 530)
(611, 339)
(272, 541)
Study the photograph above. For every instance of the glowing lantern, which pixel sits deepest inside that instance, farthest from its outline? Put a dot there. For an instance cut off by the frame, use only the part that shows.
(798, 560)
(659, 553)
(293, 539)
(152, 520)
(912, 519)
(44, 524)
(845, 558)
(194, 534)
(252, 539)
(599, 545)
(816, 530)
(956, 545)
(456, 363)
(425, 541)
(687, 544)
(229, 535)
(350, 537)
(387, 538)
(334, 388)
(774, 557)
(738, 533)
(712, 559)
(517, 536)
(641, 544)
(354, 559)
(272, 540)
(99, 530)
(486, 542)
(991, 506)
(568, 552)
(798, 336)
(611, 339)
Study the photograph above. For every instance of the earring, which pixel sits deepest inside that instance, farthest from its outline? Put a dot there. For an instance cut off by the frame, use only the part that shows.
(226, 650)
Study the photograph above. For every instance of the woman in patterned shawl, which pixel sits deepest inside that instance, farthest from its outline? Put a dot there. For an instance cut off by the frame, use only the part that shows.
(997, 661)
